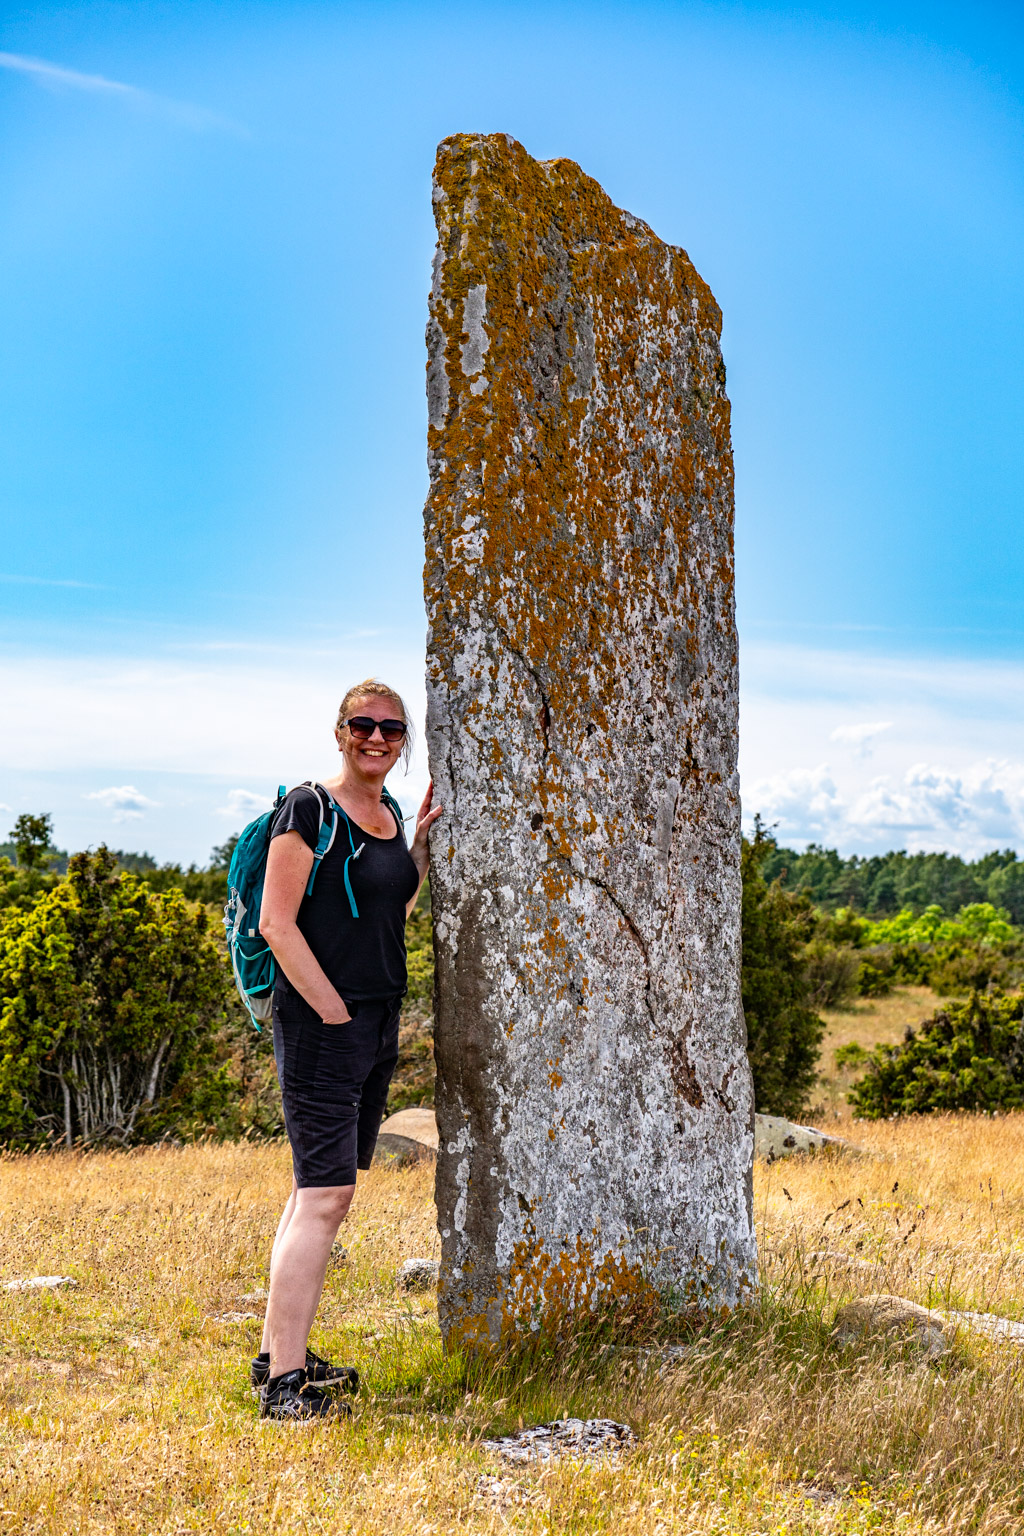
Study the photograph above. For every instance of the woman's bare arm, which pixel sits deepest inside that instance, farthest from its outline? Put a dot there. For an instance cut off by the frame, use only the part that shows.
(289, 861)
(419, 847)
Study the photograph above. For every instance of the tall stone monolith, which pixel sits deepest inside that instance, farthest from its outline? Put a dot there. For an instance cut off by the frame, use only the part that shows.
(593, 1095)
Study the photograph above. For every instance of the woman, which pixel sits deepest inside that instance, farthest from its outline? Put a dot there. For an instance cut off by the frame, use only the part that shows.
(341, 956)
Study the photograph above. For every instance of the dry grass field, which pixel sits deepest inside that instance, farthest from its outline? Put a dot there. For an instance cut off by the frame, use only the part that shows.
(124, 1403)
(869, 1021)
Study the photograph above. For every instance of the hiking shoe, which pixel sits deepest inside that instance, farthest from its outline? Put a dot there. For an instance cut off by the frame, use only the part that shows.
(291, 1398)
(319, 1373)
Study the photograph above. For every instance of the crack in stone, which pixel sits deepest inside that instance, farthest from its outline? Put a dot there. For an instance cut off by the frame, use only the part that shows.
(545, 709)
(601, 885)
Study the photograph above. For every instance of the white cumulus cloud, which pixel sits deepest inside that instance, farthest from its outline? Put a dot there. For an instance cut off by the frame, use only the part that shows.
(243, 805)
(986, 802)
(125, 801)
(929, 807)
(860, 736)
(802, 802)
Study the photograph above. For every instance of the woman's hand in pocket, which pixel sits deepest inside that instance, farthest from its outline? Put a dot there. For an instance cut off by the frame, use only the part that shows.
(338, 1015)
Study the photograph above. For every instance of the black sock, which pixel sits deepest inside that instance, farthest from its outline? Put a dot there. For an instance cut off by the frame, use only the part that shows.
(264, 1354)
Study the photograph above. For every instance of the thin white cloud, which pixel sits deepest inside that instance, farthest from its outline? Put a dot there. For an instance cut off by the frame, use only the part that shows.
(59, 77)
(947, 774)
(125, 801)
(48, 581)
(859, 737)
(243, 805)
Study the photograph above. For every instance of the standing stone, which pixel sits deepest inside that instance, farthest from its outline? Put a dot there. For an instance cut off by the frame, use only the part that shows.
(594, 1101)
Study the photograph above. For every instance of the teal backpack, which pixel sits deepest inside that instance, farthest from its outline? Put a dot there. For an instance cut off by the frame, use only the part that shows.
(251, 959)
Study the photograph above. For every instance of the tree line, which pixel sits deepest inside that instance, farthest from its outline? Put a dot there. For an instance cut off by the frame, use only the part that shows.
(890, 882)
(119, 1020)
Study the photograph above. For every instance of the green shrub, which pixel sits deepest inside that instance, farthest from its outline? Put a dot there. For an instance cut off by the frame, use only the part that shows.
(843, 927)
(979, 923)
(872, 980)
(783, 1031)
(419, 946)
(832, 972)
(851, 1055)
(957, 969)
(112, 1003)
(966, 1057)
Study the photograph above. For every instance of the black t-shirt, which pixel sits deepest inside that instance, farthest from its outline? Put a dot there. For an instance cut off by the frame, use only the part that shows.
(361, 956)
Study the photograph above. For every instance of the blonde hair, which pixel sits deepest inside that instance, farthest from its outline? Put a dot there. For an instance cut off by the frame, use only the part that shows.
(372, 688)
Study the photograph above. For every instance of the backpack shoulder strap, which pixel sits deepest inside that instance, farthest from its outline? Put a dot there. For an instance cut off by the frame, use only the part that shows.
(328, 827)
(388, 799)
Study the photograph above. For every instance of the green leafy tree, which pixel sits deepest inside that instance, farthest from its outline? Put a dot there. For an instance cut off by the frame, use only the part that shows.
(783, 1031)
(32, 837)
(35, 862)
(887, 882)
(112, 998)
(1005, 888)
(967, 1057)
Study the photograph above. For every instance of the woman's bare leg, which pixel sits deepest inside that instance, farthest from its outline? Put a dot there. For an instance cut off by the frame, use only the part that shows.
(282, 1227)
(301, 1250)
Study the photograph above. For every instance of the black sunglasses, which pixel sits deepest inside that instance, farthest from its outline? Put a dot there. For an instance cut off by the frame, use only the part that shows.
(362, 728)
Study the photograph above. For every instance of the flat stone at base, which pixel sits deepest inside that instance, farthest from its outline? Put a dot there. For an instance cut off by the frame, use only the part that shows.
(564, 1439)
(1002, 1330)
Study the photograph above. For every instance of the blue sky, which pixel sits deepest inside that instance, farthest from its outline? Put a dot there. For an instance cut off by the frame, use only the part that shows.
(214, 262)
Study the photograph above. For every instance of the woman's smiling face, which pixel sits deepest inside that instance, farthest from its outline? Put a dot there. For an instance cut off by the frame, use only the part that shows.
(374, 757)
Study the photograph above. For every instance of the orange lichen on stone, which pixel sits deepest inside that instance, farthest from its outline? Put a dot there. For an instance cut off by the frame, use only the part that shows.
(582, 733)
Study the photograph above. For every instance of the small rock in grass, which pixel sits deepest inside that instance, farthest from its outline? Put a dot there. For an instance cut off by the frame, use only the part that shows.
(40, 1283)
(891, 1317)
(236, 1317)
(564, 1439)
(418, 1275)
(417, 1124)
(399, 1150)
(775, 1137)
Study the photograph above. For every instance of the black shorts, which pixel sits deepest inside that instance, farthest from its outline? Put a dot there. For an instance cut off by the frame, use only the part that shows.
(334, 1084)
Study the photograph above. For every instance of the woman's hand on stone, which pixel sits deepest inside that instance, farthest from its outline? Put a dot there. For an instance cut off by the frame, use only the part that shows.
(425, 818)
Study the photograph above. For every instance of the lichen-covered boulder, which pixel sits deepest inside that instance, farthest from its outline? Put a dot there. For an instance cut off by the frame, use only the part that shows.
(593, 1096)
(891, 1319)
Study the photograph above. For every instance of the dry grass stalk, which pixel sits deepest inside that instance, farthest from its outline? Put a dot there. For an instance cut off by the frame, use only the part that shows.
(125, 1407)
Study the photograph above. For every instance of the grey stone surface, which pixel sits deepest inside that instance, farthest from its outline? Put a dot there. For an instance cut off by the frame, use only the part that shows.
(593, 1096)
(1001, 1330)
(399, 1149)
(417, 1275)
